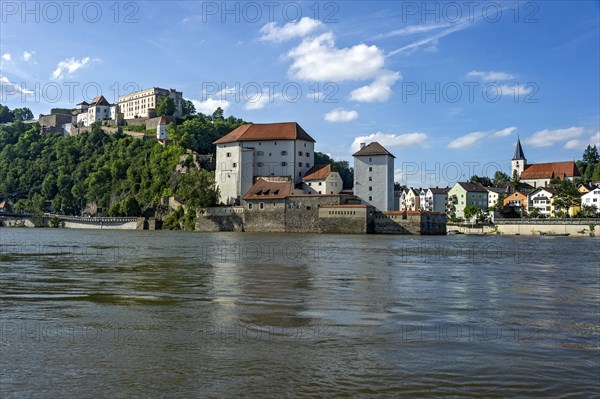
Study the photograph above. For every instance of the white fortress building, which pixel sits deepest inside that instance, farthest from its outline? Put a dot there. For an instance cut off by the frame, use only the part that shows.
(261, 150)
(374, 176)
(143, 103)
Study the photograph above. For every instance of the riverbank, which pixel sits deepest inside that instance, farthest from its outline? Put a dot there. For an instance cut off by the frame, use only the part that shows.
(534, 227)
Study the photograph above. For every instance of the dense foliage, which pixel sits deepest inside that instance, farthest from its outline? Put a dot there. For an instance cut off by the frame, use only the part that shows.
(123, 175)
(18, 114)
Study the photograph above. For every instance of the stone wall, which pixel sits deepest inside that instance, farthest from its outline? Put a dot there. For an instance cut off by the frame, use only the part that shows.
(302, 212)
(419, 223)
(220, 219)
(269, 219)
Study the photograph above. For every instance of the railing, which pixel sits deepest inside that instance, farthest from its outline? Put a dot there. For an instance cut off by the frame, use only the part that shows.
(548, 221)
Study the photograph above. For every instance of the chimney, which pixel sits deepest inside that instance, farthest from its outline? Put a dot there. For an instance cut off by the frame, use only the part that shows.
(362, 145)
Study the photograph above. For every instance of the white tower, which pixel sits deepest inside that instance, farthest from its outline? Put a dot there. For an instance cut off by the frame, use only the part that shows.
(374, 176)
(518, 162)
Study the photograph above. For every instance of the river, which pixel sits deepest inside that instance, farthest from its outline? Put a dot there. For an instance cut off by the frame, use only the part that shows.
(141, 314)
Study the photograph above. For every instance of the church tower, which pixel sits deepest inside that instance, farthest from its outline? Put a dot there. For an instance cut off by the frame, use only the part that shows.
(518, 162)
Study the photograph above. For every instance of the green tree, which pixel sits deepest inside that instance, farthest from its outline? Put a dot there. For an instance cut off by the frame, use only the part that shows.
(567, 196)
(515, 181)
(500, 177)
(471, 211)
(166, 107)
(483, 180)
(22, 114)
(187, 108)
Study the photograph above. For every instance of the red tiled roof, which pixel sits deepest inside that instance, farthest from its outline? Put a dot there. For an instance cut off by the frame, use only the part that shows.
(550, 170)
(318, 172)
(266, 131)
(437, 190)
(165, 120)
(100, 100)
(268, 190)
(373, 148)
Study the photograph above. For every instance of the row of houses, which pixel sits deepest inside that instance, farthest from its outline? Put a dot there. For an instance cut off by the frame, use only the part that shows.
(535, 191)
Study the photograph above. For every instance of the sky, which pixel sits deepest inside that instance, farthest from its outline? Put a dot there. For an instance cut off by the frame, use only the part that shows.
(446, 86)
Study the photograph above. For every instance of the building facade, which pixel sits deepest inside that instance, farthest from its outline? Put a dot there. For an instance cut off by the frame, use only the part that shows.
(463, 194)
(436, 199)
(322, 179)
(256, 150)
(374, 176)
(143, 103)
(541, 199)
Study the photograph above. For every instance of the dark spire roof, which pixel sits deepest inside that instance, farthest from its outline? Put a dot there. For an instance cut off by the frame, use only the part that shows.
(518, 151)
(373, 148)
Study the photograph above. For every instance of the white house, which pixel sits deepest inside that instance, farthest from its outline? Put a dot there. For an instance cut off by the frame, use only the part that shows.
(374, 176)
(98, 110)
(161, 127)
(255, 150)
(422, 196)
(494, 194)
(540, 199)
(436, 199)
(321, 179)
(592, 198)
(413, 200)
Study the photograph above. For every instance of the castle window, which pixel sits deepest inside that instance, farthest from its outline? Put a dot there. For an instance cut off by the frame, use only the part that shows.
(284, 164)
(283, 152)
(300, 153)
(250, 205)
(261, 205)
(370, 159)
(228, 155)
(370, 198)
(370, 168)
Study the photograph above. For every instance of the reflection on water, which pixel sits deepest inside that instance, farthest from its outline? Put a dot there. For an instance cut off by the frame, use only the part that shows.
(146, 314)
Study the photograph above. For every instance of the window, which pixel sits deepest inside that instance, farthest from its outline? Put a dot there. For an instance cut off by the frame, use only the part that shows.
(320, 183)
(370, 198)
(308, 208)
(305, 144)
(307, 164)
(234, 165)
(283, 152)
(370, 168)
(300, 153)
(308, 154)
(269, 154)
(310, 184)
(370, 178)
(260, 153)
(370, 188)
(249, 205)
(284, 164)
(275, 143)
(370, 159)
(228, 154)
(259, 164)
(300, 164)
(261, 205)
(319, 192)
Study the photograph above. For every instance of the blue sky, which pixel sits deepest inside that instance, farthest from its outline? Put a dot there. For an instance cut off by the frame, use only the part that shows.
(445, 86)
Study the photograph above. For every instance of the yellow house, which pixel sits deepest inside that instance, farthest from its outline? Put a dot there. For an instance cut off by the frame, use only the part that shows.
(572, 211)
(583, 188)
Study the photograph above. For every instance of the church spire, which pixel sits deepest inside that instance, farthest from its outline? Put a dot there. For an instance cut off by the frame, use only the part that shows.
(518, 151)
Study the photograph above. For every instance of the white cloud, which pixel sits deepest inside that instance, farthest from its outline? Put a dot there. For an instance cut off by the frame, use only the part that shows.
(69, 65)
(466, 141)
(260, 100)
(577, 144)
(10, 88)
(317, 59)
(210, 105)
(505, 132)
(511, 90)
(490, 76)
(273, 33)
(547, 138)
(27, 55)
(340, 115)
(392, 140)
(379, 90)
(7, 57)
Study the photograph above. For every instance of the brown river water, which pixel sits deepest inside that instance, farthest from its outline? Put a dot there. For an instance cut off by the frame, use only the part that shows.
(132, 314)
